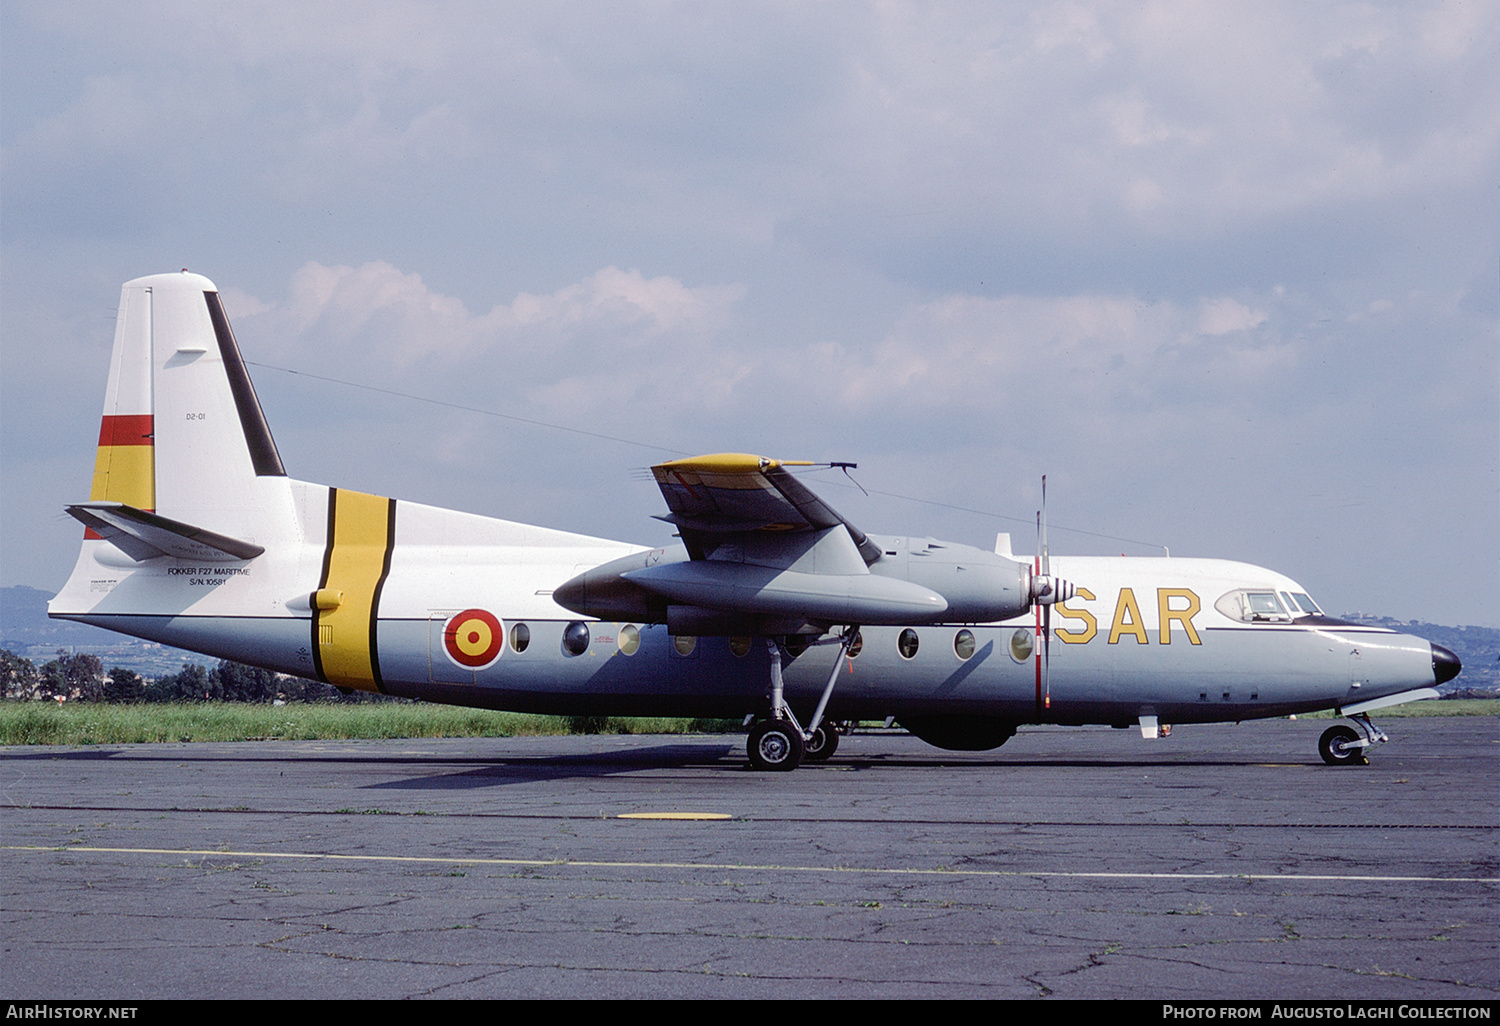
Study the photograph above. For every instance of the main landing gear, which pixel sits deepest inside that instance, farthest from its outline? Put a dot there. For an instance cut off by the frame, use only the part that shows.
(779, 742)
(1343, 745)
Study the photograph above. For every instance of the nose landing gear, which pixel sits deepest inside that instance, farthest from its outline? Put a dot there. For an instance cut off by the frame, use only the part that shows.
(1343, 745)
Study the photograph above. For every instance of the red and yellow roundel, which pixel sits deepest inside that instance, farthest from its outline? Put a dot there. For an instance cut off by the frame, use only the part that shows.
(474, 639)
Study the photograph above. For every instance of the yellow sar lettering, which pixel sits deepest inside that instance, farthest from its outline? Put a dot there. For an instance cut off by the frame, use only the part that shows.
(1091, 626)
(1173, 605)
(1127, 619)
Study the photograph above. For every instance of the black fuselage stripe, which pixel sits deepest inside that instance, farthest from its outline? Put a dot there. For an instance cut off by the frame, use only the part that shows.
(323, 583)
(385, 571)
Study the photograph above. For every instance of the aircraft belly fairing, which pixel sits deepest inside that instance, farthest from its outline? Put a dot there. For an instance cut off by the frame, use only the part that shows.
(774, 604)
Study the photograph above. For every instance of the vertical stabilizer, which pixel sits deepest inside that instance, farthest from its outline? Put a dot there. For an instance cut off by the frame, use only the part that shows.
(183, 433)
(204, 404)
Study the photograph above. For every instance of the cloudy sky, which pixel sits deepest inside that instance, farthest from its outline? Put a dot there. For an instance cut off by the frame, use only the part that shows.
(1226, 273)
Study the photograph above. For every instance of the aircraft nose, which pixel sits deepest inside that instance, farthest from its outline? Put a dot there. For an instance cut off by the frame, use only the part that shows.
(1445, 664)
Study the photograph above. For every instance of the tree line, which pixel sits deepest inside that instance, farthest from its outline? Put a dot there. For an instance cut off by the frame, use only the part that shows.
(81, 677)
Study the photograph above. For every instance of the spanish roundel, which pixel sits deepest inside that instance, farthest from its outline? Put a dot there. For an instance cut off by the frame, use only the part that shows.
(474, 639)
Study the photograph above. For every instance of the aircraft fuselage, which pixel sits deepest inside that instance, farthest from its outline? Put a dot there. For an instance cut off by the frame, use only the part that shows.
(1142, 635)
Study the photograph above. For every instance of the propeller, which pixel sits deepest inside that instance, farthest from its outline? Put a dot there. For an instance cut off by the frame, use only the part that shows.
(1046, 591)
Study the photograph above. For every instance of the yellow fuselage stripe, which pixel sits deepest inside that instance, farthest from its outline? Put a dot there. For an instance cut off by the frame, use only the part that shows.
(360, 540)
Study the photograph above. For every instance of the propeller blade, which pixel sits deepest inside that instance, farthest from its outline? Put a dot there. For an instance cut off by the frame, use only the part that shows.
(1047, 657)
(1037, 582)
(1047, 609)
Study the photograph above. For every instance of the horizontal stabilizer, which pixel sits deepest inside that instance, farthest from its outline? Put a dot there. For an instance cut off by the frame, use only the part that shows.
(142, 535)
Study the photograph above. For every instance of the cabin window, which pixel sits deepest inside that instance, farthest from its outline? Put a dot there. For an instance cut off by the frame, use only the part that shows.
(795, 645)
(856, 646)
(1022, 645)
(906, 644)
(576, 638)
(740, 645)
(629, 639)
(520, 637)
(684, 644)
(963, 644)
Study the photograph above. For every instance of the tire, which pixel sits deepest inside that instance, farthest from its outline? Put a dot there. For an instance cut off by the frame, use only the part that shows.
(1335, 748)
(775, 745)
(822, 745)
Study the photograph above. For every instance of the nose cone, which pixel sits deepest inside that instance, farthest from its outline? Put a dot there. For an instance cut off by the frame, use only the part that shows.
(1445, 664)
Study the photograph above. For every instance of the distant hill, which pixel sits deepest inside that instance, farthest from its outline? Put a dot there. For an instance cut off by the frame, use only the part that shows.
(26, 630)
(1478, 648)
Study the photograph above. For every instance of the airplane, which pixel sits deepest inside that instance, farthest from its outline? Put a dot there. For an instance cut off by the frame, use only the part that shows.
(774, 607)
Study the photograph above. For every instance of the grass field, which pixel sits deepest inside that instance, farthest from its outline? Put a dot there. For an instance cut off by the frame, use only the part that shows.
(47, 723)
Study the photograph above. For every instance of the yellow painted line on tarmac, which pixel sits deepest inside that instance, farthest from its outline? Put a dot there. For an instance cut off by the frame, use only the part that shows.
(674, 815)
(747, 867)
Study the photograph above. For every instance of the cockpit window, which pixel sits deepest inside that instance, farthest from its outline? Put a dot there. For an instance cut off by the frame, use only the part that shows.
(1250, 606)
(1298, 604)
(1264, 604)
(1307, 604)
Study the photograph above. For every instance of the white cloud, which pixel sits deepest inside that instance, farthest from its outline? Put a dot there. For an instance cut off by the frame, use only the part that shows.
(393, 317)
(1061, 352)
(1223, 315)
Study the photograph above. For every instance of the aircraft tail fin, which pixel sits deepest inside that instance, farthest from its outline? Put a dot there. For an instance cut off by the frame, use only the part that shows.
(183, 435)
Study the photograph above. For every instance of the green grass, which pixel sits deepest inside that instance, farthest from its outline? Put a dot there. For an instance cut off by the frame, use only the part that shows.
(47, 723)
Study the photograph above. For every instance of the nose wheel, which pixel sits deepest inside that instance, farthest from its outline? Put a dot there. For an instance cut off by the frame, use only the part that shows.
(1339, 746)
(1346, 745)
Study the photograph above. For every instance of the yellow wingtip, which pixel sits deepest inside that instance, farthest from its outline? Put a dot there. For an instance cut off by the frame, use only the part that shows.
(728, 463)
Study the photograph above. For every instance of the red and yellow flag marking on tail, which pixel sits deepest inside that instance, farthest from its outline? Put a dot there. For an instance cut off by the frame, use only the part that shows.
(125, 465)
(361, 535)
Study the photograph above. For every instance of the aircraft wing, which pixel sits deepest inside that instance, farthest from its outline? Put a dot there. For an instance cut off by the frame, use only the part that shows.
(712, 498)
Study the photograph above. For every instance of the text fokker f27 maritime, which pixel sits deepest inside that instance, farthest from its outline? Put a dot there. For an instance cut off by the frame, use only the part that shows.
(774, 606)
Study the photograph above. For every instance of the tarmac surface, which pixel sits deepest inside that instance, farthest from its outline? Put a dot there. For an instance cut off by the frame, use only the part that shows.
(1223, 862)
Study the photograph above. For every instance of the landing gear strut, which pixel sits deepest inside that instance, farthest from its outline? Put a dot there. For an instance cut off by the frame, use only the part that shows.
(779, 742)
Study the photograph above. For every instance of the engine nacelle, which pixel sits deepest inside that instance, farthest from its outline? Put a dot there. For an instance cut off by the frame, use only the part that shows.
(740, 587)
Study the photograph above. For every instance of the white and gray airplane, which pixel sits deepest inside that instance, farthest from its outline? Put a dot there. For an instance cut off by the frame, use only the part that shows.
(774, 608)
